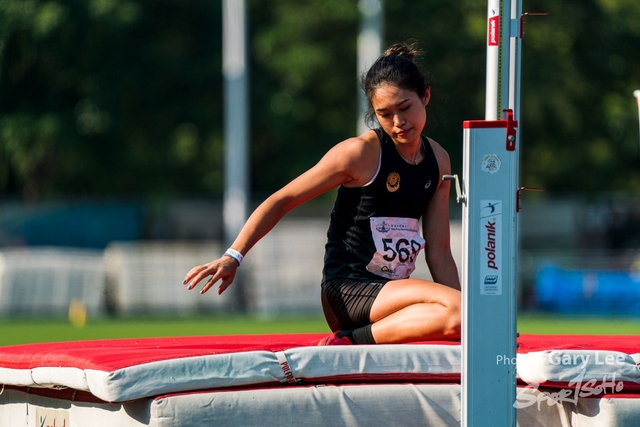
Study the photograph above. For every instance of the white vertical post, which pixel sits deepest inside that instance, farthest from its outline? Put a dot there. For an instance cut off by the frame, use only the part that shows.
(236, 118)
(369, 47)
(493, 56)
(515, 46)
(504, 58)
(236, 128)
(636, 93)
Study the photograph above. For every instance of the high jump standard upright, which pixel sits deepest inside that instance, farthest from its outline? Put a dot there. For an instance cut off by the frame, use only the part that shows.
(490, 198)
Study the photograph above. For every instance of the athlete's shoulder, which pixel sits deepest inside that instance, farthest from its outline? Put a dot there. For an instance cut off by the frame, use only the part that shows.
(367, 141)
(435, 146)
(358, 149)
(356, 157)
(442, 156)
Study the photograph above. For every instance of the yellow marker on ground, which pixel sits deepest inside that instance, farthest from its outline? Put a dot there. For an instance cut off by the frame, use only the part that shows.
(77, 313)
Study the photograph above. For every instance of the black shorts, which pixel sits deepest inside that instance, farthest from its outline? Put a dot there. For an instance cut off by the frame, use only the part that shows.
(347, 303)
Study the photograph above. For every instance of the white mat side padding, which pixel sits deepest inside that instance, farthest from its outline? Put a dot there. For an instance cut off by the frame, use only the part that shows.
(371, 405)
(312, 363)
(608, 411)
(311, 406)
(576, 367)
(184, 374)
(21, 409)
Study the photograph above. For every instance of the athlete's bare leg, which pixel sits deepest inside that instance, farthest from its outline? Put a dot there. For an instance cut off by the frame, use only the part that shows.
(415, 310)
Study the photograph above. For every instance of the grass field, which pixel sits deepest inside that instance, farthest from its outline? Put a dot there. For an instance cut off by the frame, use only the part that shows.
(22, 331)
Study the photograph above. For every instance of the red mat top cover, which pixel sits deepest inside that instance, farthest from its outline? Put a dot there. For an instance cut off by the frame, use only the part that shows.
(120, 370)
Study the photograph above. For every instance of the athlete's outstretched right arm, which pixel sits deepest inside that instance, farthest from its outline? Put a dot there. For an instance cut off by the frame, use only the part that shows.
(346, 163)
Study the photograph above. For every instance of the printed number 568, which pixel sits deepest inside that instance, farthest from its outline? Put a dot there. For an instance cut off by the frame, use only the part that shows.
(403, 249)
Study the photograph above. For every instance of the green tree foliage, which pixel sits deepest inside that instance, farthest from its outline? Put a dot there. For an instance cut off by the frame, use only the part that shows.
(109, 97)
(304, 84)
(581, 122)
(117, 97)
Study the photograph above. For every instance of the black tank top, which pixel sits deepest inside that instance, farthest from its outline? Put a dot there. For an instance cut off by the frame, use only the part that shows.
(399, 190)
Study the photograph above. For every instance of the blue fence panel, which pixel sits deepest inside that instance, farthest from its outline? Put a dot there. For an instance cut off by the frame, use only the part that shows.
(81, 225)
(588, 291)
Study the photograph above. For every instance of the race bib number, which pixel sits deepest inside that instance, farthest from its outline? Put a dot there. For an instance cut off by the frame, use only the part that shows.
(398, 243)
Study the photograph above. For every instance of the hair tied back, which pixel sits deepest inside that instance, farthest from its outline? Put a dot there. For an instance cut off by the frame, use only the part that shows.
(406, 50)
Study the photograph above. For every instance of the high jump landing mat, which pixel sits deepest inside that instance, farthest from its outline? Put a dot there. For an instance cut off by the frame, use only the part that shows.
(263, 380)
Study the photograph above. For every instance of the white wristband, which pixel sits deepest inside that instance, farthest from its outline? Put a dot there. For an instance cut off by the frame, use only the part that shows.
(232, 253)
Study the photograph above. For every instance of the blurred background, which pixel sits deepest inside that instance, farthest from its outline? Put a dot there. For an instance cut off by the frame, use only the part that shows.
(112, 146)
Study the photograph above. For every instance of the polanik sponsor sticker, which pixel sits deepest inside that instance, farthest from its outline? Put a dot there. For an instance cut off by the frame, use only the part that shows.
(490, 247)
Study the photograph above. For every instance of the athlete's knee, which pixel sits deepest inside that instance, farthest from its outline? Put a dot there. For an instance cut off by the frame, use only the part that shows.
(452, 324)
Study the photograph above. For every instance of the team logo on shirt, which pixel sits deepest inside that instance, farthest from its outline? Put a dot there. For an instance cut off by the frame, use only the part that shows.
(393, 182)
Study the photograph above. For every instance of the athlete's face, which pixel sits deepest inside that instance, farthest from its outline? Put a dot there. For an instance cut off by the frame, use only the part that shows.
(400, 112)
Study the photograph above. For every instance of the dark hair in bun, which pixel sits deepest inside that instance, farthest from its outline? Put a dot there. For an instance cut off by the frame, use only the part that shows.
(395, 67)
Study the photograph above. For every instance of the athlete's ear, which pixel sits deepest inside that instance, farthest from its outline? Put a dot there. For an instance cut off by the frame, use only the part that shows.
(427, 96)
